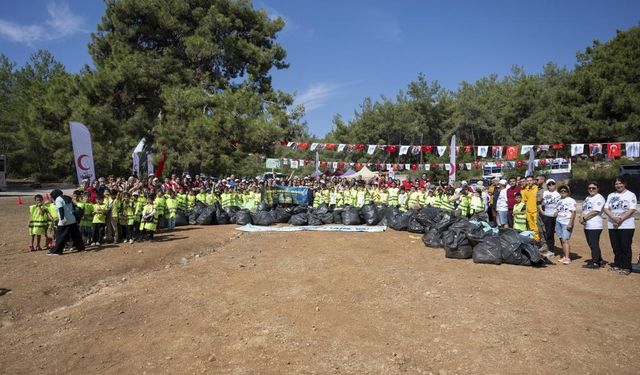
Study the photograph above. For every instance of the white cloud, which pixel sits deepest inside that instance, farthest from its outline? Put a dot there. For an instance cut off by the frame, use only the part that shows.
(318, 94)
(60, 23)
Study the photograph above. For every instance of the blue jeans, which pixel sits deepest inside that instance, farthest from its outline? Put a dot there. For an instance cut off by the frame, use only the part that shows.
(171, 223)
(562, 231)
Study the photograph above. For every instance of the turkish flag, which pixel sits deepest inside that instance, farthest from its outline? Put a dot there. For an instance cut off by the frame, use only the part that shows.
(340, 165)
(414, 167)
(323, 164)
(360, 147)
(358, 166)
(614, 151)
(391, 149)
(468, 149)
(426, 149)
(558, 146)
(303, 146)
(512, 152)
(330, 146)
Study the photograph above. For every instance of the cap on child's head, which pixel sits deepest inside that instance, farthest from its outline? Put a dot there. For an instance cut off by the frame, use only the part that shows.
(518, 195)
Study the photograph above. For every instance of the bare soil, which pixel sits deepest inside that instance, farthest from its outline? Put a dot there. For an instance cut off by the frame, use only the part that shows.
(212, 300)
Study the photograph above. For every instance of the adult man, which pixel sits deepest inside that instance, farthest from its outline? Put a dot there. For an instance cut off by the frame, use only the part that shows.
(529, 198)
(67, 224)
(512, 189)
(549, 211)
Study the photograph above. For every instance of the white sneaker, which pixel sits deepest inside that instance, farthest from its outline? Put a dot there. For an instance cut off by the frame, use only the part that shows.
(94, 243)
(131, 240)
(97, 243)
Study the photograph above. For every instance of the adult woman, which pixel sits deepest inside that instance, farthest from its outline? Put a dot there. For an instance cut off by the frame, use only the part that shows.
(591, 219)
(502, 207)
(566, 208)
(621, 208)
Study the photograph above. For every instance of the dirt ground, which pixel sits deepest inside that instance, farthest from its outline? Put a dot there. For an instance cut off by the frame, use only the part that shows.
(212, 300)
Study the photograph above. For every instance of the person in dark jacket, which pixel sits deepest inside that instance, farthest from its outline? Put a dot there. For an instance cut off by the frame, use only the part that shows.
(68, 228)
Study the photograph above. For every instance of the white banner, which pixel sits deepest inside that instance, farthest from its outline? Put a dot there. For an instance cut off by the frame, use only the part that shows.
(294, 164)
(135, 156)
(452, 161)
(371, 149)
(482, 151)
(341, 147)
(403, 150)
(82, 151)
(577, 149)
(441, 150)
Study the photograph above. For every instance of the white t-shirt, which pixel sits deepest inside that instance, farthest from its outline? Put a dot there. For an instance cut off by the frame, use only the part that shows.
(618, 203)
(590, 204)
(565, 207)
(501, 204)
(549, 202)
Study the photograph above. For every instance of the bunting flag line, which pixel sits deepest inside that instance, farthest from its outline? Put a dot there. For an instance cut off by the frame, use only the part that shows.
(613, 149)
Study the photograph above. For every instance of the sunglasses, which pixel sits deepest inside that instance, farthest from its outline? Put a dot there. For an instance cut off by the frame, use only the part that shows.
(551, 183)
(593, 188)
(564, 191)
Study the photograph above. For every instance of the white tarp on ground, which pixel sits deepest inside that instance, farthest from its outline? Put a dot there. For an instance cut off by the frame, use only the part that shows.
(315, 228)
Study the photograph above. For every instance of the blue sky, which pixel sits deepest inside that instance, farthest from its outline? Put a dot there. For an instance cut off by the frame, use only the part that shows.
(343, 51)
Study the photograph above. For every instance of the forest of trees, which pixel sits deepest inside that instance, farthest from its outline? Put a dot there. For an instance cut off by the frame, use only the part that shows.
(193, 78)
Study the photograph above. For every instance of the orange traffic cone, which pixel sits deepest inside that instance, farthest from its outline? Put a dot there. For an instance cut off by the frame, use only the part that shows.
(20, 201)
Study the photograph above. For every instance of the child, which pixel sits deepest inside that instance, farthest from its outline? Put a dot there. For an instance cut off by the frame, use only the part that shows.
(191, 199)
(161, 208)
(566, 215)
(87, 217)
(149, 222)
(125, 215)
(38, 222)
(519, 214)
(402, 199)
(99, 221)
(172, 206)
(52, 216)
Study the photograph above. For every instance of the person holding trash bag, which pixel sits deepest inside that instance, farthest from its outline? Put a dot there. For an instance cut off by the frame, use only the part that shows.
(621, 208)
(566, 208)
(591, 218)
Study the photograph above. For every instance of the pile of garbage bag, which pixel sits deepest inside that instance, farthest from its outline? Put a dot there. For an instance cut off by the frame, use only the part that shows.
(460, 237)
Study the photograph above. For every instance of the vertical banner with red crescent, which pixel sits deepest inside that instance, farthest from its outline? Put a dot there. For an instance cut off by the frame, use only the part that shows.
(452, 160)
(82, 151)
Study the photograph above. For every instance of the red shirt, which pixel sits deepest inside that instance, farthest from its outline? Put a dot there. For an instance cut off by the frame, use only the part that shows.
(511, 196)
(407, 185)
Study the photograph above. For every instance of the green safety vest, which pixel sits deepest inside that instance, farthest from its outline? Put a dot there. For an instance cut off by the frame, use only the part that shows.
(446, 203)
(99, 213)
(477, 205)
(87, 214)
(38, 221)
(226, 200)
(393, 196)
(182, 201)
(149, 224)
(465, 206)
(172, 207)
(519, 217)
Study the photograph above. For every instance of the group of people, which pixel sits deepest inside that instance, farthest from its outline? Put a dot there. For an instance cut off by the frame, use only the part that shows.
(131, 209)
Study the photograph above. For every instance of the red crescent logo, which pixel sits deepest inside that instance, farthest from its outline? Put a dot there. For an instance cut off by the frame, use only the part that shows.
(452, 170)
(79, 162)
(614, 148)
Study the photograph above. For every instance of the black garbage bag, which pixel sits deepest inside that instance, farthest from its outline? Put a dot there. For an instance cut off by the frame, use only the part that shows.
(427, 216)
(298, 210)
(299, 219)
(350, 216)
(182, 218)
(222, 218)
(243, 217)
(371, 214)
(231, 211)
(321, 209)
(195, 213)
(282, 214)
(401, 221)
(337, 216)
(388, 214)
(488, 251)
(445, 222)
(432, 238)
(263, 218)
(481, 216)
(326, 218)
(262, 206)
(314, 218)
(519, 250)
(207, 215)
(415, 226)
(456, 244)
